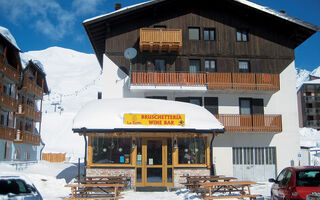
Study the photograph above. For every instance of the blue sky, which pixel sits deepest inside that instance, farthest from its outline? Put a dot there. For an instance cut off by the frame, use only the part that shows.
(39, 24)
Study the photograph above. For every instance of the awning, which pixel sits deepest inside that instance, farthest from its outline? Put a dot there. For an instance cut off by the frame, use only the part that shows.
(144, 115)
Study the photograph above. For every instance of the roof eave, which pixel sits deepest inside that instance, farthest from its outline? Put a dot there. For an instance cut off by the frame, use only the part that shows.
(121, 130)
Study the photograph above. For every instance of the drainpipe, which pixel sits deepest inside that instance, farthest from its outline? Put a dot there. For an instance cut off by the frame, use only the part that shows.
(85, 155)
(212, 169)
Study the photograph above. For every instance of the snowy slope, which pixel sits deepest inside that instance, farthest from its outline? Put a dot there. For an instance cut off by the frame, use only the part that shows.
(302, 76)
(73, 79)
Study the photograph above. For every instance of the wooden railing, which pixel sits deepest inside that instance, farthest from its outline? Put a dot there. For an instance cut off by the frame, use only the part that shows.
(9, 71)
(7, 133)
(30, 112)
(213, 81)
(30, 138)
(54, 157)
(243, 81)
(251, 123)
(8, 102)
(154, 39)
(33, 87)
(168, 79)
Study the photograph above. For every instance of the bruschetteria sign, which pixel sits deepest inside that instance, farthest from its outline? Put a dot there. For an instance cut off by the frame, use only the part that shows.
(155, 119)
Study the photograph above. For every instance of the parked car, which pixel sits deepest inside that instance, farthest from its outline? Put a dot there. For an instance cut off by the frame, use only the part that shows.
(16, 188)
(296, 183)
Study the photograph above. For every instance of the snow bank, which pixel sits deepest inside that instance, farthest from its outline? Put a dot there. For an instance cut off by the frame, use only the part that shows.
(309, 137)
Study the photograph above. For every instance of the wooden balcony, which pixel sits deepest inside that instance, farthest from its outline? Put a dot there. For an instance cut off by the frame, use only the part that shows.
(29, 112)
(154, 39)
(33, 87)
(29, 138)
(243, 81)
(168, 79)
(9, 71)
(7, 133)
(213, 81)
(251, 123)
(8, 102)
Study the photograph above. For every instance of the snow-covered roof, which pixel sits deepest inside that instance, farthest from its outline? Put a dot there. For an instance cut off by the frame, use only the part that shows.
(8, 36)
(25, 58)
(317, 81)
(264, 9)
(108, 115)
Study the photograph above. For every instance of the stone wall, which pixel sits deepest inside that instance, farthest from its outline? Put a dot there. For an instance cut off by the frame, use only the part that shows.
(178, 172)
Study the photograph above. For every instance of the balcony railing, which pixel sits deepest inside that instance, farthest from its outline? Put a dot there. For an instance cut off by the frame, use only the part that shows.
(168, 79)
(33, 87)
(313, 123)
(30, 138)
(312, 99)
(7, 133)
(213, 81)
(251, 123)
(243, 81)
(8, 102)
(9, 71)
(29, 112)
(313, 111)
(154, 39)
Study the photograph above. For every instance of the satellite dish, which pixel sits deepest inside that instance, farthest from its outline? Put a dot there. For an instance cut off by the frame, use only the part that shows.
(130, 53)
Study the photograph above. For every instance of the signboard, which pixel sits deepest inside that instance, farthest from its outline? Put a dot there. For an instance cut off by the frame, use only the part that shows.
(155, 119)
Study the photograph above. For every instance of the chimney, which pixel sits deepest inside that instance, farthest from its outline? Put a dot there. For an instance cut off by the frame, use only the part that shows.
(117, 6)
(283, 11)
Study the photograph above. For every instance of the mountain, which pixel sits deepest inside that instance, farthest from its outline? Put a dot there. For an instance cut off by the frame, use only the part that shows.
(302, 75)
(73, 79)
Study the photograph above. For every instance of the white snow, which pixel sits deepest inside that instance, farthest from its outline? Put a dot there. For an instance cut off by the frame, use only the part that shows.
(309, 137)
(8, 36)
(303, 76)
(25, 58)
(316, 72)
(73, 79)
(109, 114)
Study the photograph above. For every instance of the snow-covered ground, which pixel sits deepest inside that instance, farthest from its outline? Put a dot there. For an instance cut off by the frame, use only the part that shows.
(50, 178)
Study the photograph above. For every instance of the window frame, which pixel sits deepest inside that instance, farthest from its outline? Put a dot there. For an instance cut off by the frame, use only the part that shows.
(209, 34)
(244, 61)
(199, 35)
(199, 61)
(210, 66)
(165, 65)
(243, 33)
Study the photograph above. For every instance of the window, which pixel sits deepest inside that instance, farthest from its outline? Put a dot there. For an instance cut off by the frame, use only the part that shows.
(160, 65)
(191, 150)
(193, 100)
(242, 35)
(308, 178)
(111, 150)
(244, 66)
(209, 34)
(254, 155)
(251, 106)
(210, 65)
(1, 49)
(194, 66)
(211, 104)
(194, 33)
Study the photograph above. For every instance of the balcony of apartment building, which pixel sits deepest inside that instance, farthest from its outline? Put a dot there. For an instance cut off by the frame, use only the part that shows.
(312, 99)
(29, 111)
(7, 133)
(160, 39)
(8, 101)
(251, 123)
(313, 111)
(8, 70)
(315, 123)
(33, 87)
(26, 136)
(205, 81)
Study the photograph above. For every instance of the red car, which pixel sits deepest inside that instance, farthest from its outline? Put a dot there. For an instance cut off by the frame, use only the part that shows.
(296, 183)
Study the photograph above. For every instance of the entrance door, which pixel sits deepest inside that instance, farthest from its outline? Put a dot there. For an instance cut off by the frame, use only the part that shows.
(154, 164)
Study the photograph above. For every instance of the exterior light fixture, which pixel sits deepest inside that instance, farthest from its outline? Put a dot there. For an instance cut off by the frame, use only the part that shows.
(133, 143)
(175, 143)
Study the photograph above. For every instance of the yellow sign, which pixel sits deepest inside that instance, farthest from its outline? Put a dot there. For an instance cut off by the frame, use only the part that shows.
(155, 119)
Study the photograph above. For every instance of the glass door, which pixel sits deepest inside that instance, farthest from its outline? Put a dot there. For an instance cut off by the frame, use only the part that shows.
(153, 170)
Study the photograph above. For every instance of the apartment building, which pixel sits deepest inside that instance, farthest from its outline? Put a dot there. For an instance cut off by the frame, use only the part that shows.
(21, 91)
(309, 103)
(233, 58)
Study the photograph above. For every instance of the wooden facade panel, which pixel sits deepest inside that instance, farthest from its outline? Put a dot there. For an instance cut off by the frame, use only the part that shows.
(269, 51)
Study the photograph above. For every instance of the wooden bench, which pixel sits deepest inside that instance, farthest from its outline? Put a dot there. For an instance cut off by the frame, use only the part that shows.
(95, 191)
(193, 182)
(229, 189)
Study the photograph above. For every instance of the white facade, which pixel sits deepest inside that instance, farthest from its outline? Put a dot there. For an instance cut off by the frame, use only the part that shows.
(282, 102)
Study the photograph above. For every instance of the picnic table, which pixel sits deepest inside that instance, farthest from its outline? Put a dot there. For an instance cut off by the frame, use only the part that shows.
(94, 191)
(228, 189)
(193, 182)
(98, 187)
